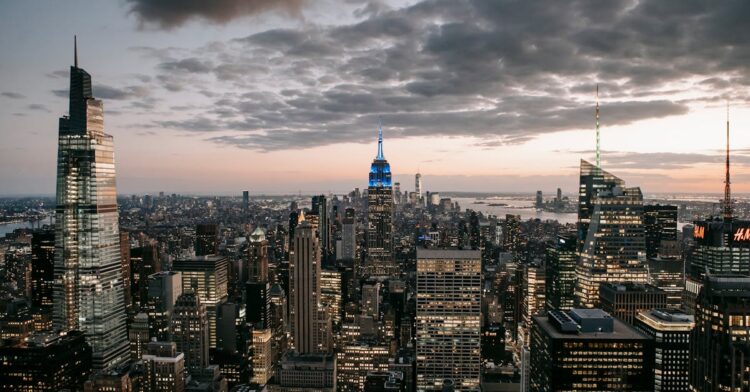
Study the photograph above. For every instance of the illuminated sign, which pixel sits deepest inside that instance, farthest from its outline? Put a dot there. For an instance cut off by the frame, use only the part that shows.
(742, 234)
(699, 232)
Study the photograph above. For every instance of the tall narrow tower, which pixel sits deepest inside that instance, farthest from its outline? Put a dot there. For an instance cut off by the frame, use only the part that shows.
(88, 286)
(380, 207)
(727, 183)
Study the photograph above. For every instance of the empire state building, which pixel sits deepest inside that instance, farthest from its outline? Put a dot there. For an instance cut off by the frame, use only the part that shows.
(380, 211)
(88, 286)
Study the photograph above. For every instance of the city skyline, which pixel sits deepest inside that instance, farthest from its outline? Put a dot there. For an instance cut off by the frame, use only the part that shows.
(188, 86)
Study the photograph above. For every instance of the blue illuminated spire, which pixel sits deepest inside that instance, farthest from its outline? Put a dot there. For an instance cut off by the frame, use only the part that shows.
(380, 140)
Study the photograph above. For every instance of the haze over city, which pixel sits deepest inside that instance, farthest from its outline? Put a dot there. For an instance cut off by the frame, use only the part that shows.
(285, 96)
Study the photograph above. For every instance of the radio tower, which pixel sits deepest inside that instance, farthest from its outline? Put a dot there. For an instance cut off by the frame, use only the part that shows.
(598, 154)
(727, 186)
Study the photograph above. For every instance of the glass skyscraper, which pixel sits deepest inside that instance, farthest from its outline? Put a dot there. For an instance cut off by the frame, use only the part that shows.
(88, 286)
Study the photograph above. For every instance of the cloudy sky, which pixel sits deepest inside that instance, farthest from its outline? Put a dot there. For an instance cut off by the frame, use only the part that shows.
(284, 95)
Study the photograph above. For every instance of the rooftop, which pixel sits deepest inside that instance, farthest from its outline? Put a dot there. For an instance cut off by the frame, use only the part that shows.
(588, 323)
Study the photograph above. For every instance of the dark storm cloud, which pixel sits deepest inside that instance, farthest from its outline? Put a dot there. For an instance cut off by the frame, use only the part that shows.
(168, 14)
(500, 71)
(12, 95)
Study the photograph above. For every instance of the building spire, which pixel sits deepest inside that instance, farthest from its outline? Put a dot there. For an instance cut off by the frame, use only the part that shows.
(75, 51)
(598, 151)
(727, 186)
(380, 139)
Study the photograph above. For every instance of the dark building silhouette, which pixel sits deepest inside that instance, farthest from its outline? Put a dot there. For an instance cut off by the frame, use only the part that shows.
(720, 344)
(45, 362)
(660, 224)
(206, 239)
(42, 267)
(561, 273)
(590, 339)
(626, 300)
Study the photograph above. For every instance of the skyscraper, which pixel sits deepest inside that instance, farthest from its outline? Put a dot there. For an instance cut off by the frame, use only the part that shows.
(190, 330)
(42, 267)
(720, 344)
(320, 208)
(670, 329)
(660, 223)
(206, 239)
(88, 287)
(448, 318)
(163, 290)
(722, 245)
(206, 276)
(245, 199)
(561, 273)
(615, 244)
(592, 180)
(349, 235)
(380, 209)
(304, 284)
(258, 256)
(418, 188)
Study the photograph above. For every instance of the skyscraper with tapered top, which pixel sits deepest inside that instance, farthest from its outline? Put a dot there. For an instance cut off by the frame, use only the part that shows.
(88, 286)
(380, 209)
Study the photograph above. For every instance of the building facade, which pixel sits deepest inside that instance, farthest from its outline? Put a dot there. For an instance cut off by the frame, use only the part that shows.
(448, 318)
(88, 287)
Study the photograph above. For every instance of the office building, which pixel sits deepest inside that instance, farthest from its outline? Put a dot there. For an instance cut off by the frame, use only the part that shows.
(614, 250)
(263, 356)
(667, 273)
(539, 203)
(588, 350)
(165, 367)
(245, 199)
(592, 181)
(720, 344)
(448, 318)
(561, 273)
(257, 299)
(207, 277)
(138, 335)
(145, 260)
(380, 208)
(722, 244)
(660, 224)
(670, 330)
(533, 301)
(354, 361)
(46, 362)
(42, 268)
(304, 284)
(258, 256)
(418, 189)
(190, 330)
(387, 381)
(88, 288)
(320, 208)
(125, 268)
(721, 247)
(306, 372)
(626, 300)
(371, 299)
(331, 294)
(349, 235)
(163, 289)
(206, 239)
